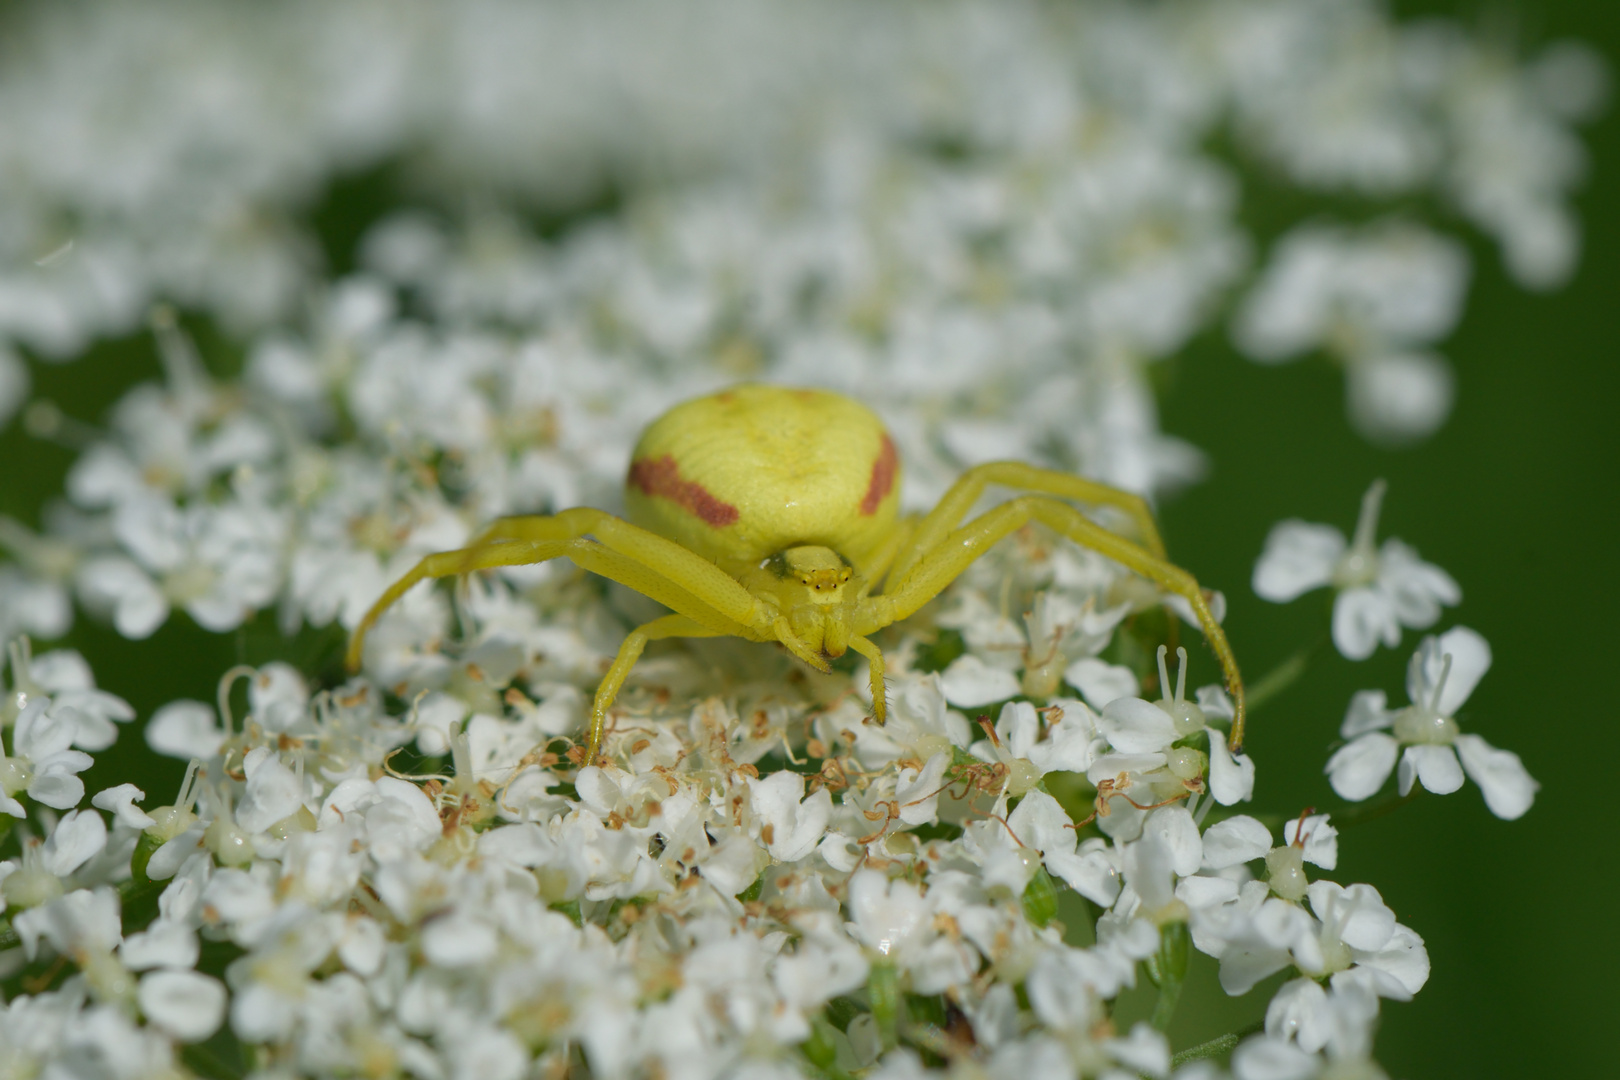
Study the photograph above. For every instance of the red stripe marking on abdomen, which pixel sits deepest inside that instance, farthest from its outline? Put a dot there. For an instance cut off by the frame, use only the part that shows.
(661, 478)
(882, 481)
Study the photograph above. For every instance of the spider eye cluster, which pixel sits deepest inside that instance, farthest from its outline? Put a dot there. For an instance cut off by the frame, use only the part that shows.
(822, 580)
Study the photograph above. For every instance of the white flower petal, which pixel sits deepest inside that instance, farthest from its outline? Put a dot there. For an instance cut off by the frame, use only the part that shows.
(1360, 767)
(1399, 398)
(1508, 787)
(1357, 914)
(1111, 766)
(791, 825)
(1470, 658)
(185, 1005)
(1416, 589)
(185, 730)
(57, 789)
(1089, 872)
(1236, 840)
(1435, 767)
(1042, 824)
(1363, 617)
(273, 791)
(1145, 1051)
(1267, 1058)
(78, 837)
(1214, 701)
(1299, 1012)
(1404, 959)
(1298, 557)
(1018, 727)
(120, 802)
(969, 683)
(162, 944)
(1173, 827)
(1368, 711)
(1100, 682)
(1321, 840)
(1231, 776)
(457, 940)
(1135, 726)
(918, 792)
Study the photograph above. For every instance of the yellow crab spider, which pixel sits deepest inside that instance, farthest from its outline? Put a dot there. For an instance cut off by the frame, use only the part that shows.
(772, 514)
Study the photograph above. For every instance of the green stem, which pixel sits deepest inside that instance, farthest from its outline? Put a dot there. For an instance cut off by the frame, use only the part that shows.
(1343, 819)
(1283, 675)
(1165, 1007)
(883, 994)
(1168, 970)
(1216, 1047)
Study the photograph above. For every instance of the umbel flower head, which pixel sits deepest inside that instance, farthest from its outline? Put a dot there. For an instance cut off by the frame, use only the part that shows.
(1425, 737)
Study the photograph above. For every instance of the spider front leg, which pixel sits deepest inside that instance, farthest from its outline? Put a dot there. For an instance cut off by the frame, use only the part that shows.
(1015, 474)
(488, 554)
(661, 564)
(947, 559)
(711, 603)
(629, 652)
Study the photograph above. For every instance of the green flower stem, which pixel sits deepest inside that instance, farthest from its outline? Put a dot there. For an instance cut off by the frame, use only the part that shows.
(1168, 970)
(1284, 674)
(1216, 1047)
(883, 993)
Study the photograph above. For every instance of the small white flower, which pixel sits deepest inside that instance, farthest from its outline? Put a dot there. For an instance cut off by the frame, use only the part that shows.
(1379, 589)
(66, 677)
(791, 826)
(42, 761)
(1136, 727)
(1439, 678)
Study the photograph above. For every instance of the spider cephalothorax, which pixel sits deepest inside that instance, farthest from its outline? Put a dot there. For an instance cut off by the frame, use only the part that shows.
(772, 514)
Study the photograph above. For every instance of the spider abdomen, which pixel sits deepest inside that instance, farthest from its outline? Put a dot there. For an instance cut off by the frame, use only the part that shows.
(746, 473)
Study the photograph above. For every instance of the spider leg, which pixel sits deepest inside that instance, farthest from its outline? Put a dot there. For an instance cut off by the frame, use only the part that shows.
(711, 601)
(970, 485)
(880, 710)
(958, 549)
(486, 553)
(876, 565)
(668, 626)
(665, 560)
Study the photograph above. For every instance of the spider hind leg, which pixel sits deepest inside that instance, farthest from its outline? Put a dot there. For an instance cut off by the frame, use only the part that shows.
(933, 569)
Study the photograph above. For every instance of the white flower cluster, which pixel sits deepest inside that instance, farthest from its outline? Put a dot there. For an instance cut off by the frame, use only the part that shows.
(762, 881)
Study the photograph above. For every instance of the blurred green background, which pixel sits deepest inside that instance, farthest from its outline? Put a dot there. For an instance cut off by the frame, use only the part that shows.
(1515, 497)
